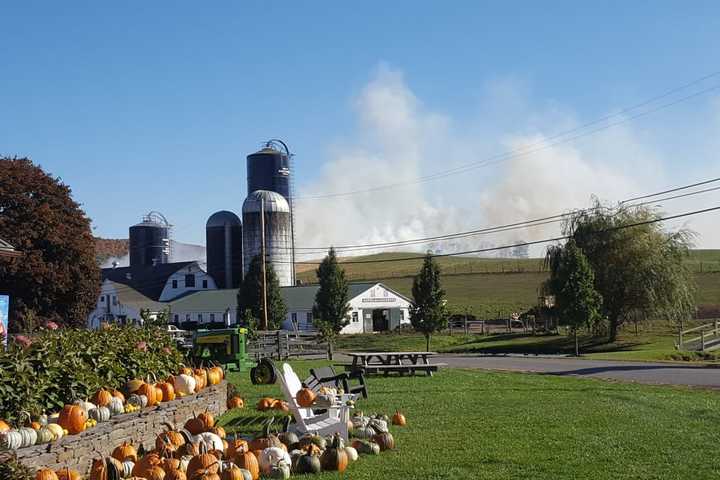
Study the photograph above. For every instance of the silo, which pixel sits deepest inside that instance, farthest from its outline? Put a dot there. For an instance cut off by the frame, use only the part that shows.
(278, 233)
(269, 169)
(223, 241)
(150, 240)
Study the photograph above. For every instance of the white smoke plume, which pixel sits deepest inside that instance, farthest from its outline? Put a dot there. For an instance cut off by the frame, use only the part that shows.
(399, 140)
(180, 252)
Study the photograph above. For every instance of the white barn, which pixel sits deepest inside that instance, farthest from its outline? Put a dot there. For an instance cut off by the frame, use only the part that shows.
(373, 308)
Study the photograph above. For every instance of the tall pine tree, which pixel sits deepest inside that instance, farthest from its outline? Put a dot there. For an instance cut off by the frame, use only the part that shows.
(331, 301)
(428, 314)
(251, 290)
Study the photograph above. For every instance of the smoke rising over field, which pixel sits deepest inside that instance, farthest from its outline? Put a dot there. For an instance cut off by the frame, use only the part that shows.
(399, 140)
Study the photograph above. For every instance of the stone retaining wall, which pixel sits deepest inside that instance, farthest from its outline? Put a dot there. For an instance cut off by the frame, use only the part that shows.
(78, 451)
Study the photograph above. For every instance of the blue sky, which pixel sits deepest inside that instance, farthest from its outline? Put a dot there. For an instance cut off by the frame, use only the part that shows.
(154, 105)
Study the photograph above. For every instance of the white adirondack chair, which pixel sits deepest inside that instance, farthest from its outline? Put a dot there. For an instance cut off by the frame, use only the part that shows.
(334, 421)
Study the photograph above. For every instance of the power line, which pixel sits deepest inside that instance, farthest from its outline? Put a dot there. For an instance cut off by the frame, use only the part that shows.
(544, 144)
(517, 225)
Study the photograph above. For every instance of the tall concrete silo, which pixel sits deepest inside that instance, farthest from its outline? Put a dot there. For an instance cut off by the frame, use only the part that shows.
(278, 233)
(223, 241)
(150, 240)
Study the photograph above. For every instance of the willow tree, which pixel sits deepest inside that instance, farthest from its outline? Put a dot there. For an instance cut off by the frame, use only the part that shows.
(638, 266)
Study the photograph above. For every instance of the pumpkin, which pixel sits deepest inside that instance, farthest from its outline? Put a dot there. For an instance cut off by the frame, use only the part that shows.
(265, 404)
(200, 382)
(116, 406)
(100, 414)
(233, 472)
(125, 452)
(46, 474)
(363, 432)
(352, 454)
(305, 397)
(184, 384)
(45, 435)
(206, 475)
(72, 418)
(314, 439)
(133, 386)
(195, 425)
(266, 440)
(154, 472)
(146, 463)
(281, 470)
(334, 457)
(210, 441)
(11, 440)
(399, 419)
(213, 377)
(281, 406)
(68, 474)
(118, 394)
(366, 447)
(234, 446)
(106, 469)
(175, 475)
(102, 398)
(150, 392)
(4, 427)
(28, 437)
(56, 430)
(127, 468)
(271, 457)
(288, 438)
(35, 425)
(169, 437)
(385, 440)
(247, 460)
(137, 400)
(208, 419)
(202, 373)
(169, 463)
(219, 431)
(201, 463)
(308, 462)
(167, 390)
(218, 370)
(235, 402)
(158, 394)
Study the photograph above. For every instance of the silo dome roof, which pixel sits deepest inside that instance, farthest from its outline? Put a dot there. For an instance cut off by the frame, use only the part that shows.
(274, 202)
(222, 218)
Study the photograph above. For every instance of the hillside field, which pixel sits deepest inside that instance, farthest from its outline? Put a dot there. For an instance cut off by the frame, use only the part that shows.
(489, 285)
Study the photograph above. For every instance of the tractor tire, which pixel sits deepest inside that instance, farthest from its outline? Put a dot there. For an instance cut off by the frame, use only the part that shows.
(263, 373)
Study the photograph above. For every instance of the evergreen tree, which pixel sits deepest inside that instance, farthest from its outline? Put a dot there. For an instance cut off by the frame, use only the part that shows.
(428, 313)
(572, 282)
(56, 278)
(251, 290)
(331, 301)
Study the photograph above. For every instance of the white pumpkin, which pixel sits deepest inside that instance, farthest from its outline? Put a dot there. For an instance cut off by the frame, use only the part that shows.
(56, 430)
(271, 457)
(184, 384)
(116, 406)
(210, 440)
(29, 436)
(351, 453)
(11, 440)
(87, 406)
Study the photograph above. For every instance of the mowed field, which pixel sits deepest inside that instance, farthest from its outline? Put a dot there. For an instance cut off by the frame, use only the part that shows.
(492, 285)
(469, 424)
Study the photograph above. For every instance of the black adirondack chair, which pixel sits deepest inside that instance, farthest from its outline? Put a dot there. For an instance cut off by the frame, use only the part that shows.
(327, 377)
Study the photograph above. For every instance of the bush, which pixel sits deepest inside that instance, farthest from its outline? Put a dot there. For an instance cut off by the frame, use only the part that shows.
(64, 365)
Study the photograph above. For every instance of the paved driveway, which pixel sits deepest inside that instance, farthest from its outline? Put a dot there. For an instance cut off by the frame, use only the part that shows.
(641, 372)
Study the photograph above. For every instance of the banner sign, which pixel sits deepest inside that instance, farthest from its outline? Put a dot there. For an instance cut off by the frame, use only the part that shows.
(4, 313)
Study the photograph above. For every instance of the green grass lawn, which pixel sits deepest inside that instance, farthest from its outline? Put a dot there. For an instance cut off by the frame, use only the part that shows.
(652, 344)
(466, 424)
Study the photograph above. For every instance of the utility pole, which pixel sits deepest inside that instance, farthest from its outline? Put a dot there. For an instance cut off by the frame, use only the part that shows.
(264, 273)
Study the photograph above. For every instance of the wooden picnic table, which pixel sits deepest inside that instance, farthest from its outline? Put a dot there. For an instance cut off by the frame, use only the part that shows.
(386, 362)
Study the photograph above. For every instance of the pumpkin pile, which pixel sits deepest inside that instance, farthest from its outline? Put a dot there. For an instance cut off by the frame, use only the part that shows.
(106, 403)
(269, 403)
(201, 450)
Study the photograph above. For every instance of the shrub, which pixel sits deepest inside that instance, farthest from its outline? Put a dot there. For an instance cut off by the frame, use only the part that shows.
(68, 364)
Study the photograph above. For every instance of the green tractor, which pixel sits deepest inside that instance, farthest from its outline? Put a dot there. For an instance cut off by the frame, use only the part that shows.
(228, 347)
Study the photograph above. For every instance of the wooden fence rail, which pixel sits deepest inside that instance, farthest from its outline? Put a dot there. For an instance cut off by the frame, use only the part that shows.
(284, 344)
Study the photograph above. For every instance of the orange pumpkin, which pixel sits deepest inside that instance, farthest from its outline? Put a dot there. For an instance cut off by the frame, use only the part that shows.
(219, 431)
(207, 474)
(207, 419)
(169, 438)
(247, 460)
(175, 475)
(265, 404)
(154, 472)
(213, 377)
(72, 418)
(305, 397)
(102, 398)
(281, 406)
(125, 452)
(202, 462)
(399, 419)
(235, 402)
(150, 392)
(195, 425)
(4, 427)
(232, 472)
(186, 371)
(46, 474)
(118, 394)
(35, 425)
(167, 390)
(68, 474)
(234, 447)
(146, 463)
